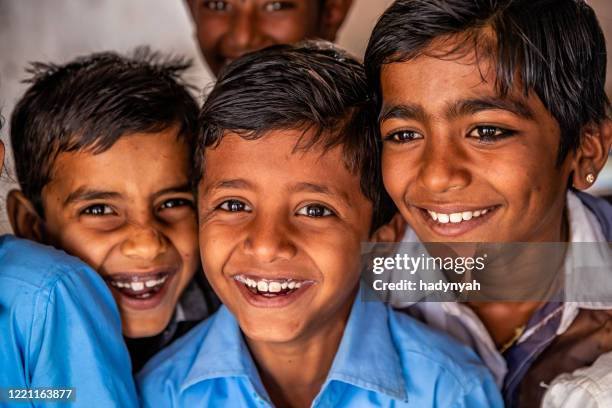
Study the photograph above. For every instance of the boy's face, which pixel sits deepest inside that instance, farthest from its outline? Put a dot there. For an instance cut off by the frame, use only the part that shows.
(462, 163)
(280, 234)
(129, 213)
(230, 28)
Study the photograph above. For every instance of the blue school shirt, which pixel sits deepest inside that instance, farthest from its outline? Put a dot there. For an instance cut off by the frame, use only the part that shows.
(59, 328)
(385, 359)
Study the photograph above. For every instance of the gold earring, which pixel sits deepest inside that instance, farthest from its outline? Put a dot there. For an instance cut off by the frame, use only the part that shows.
(590, 178)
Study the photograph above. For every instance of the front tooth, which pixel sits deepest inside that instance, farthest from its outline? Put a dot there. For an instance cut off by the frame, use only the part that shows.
(433, 215)
(455, 218)
(443, 218)
(274, 287)
(291, 285)
(137, 286)
(466, 215)
(262, 286)
(151, 283)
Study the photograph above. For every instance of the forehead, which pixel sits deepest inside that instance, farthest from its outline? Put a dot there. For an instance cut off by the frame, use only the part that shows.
(276, 161)
(136, 162)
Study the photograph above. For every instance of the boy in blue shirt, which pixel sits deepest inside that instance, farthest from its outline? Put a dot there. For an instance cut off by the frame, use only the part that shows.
(60, 330)
(288, 189)
(493, 115)
(102, 148)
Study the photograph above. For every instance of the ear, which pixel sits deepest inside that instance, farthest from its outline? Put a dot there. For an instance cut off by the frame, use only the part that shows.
(333, 15)
(393, 231)
(23, 217)
(592, 154)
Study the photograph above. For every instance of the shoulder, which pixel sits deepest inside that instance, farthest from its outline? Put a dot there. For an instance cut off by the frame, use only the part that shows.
(28, 263)
(433, 357)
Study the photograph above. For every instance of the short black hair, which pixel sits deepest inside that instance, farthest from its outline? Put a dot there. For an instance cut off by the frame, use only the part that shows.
(553, 47)
(309, 86)
(91, 102)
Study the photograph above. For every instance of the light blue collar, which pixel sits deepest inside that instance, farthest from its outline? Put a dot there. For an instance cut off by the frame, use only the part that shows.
(367, 357)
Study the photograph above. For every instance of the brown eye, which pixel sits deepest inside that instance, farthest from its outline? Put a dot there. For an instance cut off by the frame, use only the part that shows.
(315, 211)
(403, 136)
(490, 133)
(98, 210)
(175, 202)
(234, 206)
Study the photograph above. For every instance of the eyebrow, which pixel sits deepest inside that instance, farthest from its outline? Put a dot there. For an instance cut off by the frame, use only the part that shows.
(320, 189)
(89, 194)
(182, 188)
(231, 184)
(472, 106)
(402, 111)
(463, 107)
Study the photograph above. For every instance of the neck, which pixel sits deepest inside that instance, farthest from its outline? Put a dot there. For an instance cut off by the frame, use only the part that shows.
(294, 372)
(505, 320)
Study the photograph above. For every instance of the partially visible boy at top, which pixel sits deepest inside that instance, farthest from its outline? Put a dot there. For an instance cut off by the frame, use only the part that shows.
(103, 150)
(227, 29)
(288, 190)
(492, 116)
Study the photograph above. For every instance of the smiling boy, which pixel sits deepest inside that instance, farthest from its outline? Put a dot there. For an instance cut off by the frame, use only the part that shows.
(227, 29)
(489, 112)
(103, 148)
(288, 191)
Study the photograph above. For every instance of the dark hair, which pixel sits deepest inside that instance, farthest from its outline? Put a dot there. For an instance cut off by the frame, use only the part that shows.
(90, 103)
(308, 86)
(554, 47)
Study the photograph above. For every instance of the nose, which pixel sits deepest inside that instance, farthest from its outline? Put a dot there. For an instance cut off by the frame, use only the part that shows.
(144, 242)
(268, 240)
(242, 36)
(442, 166)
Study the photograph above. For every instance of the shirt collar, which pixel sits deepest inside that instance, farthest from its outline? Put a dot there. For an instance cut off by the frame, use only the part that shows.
(583, 227)
(224, 353)
(367, 357)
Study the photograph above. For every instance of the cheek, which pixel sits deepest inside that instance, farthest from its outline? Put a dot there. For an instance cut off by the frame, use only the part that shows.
(396, 176)
(93, 248)
(210, 32)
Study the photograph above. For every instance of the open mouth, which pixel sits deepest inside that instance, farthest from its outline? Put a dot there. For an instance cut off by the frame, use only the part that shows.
(139, 286)
(457, 222)
(271, 288)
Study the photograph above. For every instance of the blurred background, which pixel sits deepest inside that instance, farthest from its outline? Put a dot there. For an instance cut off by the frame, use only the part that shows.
(59, 30)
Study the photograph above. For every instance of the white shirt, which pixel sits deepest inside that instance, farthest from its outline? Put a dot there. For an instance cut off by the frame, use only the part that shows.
(461, 322)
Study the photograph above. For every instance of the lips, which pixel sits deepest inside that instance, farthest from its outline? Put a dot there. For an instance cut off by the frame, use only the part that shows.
(268, 292)
(138, 285)
(456, 220)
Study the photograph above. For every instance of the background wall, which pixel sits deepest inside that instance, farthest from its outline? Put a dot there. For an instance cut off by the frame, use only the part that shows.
(59, 30)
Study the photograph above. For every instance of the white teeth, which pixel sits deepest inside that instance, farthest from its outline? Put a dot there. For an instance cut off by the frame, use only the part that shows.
(137, 286)
(443, 218)
(274, 287)
(269, 286)
(456, 218)
(151, 283)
